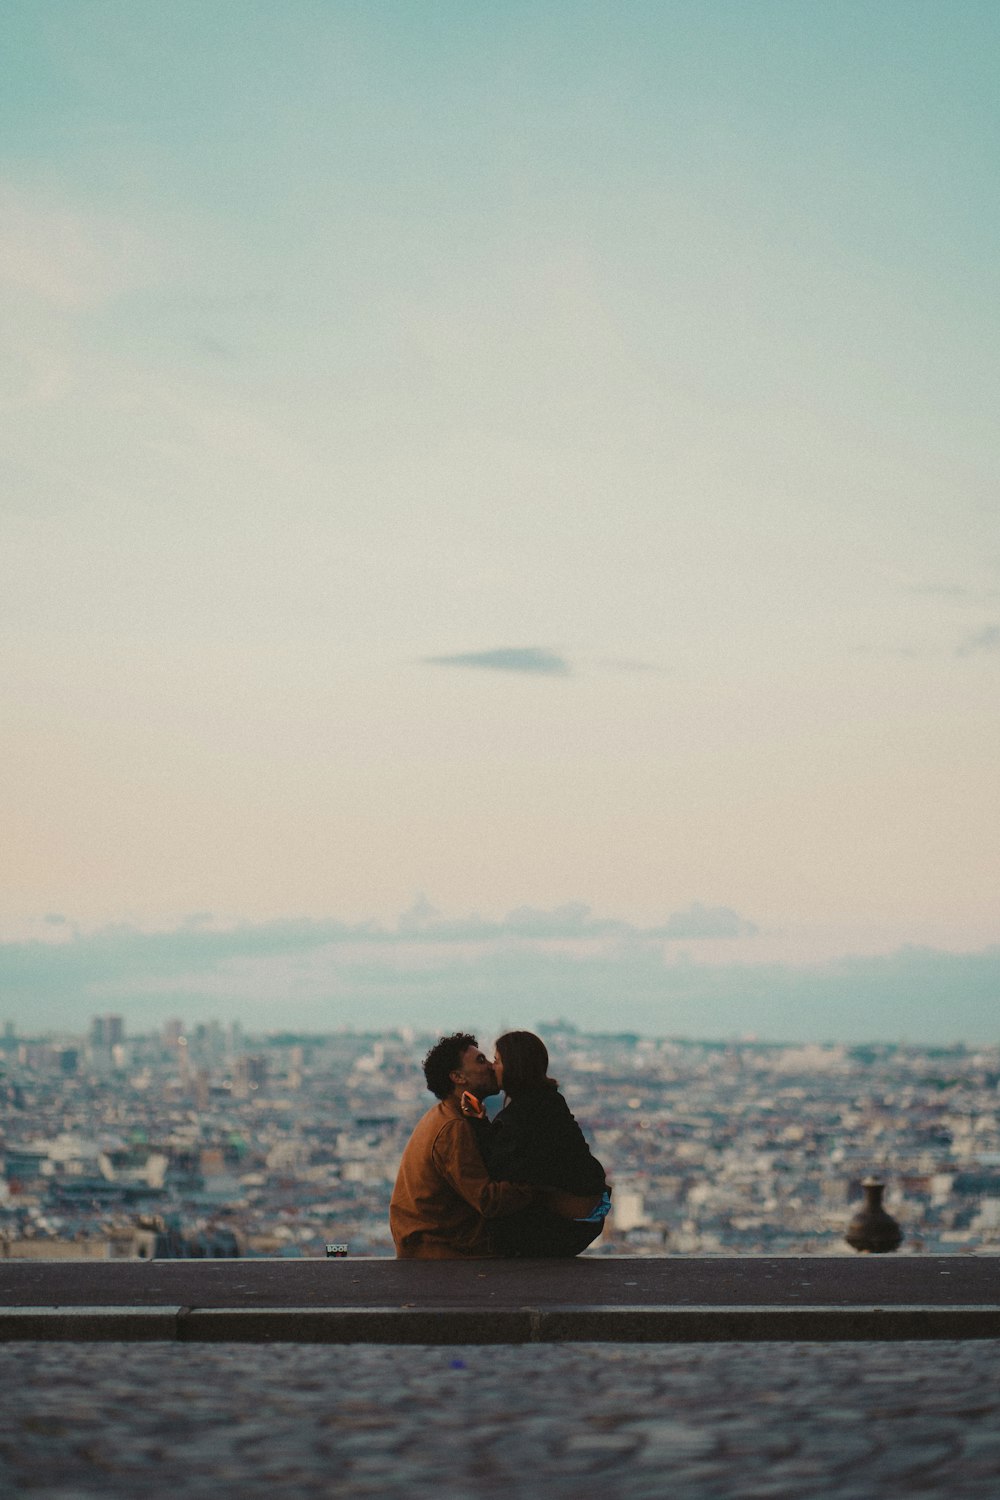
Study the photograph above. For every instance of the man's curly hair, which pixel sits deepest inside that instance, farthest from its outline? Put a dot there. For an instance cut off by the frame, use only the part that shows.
(443, 1059)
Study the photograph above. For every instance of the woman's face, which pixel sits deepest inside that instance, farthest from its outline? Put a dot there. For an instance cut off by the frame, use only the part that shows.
(498, 1067)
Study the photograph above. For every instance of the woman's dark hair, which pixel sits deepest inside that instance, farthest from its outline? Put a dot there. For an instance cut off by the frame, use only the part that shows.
(525, 1061)
(445, 1058)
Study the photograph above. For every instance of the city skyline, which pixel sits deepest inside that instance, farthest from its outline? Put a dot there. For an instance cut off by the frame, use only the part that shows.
(542, 459)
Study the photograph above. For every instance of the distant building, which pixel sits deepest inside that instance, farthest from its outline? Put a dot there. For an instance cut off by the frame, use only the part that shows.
(628, 1210)
(107, 1032)
(172, 1033)
(249, 1075)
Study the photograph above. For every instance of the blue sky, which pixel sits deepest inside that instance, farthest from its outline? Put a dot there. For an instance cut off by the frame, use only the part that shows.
(539, 456)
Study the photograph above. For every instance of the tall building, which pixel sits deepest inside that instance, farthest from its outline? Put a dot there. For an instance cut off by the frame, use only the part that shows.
(249, 1074)
(107, 1032)
(172, 1033)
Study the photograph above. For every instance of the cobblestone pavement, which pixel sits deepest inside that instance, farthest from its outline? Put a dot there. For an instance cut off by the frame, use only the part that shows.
(567, 1422)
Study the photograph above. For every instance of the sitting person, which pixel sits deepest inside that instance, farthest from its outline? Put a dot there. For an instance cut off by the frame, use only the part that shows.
(535, 1139)
(445, 1205)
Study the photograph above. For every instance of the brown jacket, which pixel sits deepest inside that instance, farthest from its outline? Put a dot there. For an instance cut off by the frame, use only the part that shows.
(443, 1194)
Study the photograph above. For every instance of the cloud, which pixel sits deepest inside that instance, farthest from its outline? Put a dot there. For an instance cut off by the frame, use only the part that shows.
(705, 922)
(533, 661)
(987, 639)
(201, 959)
(572, 921)
(122, 955)
(530, 966)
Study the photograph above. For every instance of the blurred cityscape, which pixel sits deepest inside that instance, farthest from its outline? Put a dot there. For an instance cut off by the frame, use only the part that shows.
(204, 1141)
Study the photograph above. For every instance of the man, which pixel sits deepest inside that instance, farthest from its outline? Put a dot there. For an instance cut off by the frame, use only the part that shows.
(443, 1199)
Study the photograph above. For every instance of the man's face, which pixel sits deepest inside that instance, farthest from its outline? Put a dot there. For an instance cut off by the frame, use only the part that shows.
(475, 1073)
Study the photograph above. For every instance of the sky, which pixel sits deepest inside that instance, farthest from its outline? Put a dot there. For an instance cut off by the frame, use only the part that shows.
(498, 514)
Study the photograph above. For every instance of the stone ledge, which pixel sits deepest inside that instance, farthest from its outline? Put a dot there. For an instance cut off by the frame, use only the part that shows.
(622, 1299)
(485, 1326)
(528, 1325)
(609, 1281)
(88, 1324)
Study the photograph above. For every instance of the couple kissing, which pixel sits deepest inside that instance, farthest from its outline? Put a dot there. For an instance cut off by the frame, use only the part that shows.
(523, 1184)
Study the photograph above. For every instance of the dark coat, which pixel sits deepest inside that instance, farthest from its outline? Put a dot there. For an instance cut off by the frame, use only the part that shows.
(535, 1139)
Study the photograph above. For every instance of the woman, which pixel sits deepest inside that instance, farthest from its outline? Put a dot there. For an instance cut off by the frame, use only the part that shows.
(535, 1139)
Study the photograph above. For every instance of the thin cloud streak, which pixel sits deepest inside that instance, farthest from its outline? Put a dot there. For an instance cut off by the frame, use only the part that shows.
(532, 661)
(987, 639)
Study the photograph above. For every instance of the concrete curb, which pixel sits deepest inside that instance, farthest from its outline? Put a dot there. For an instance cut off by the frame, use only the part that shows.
(485, 1326)
(88, 1324)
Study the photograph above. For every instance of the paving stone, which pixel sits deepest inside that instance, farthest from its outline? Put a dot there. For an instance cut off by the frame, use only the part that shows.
(559, 1422)
(668, 1441)
(978, 1444)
